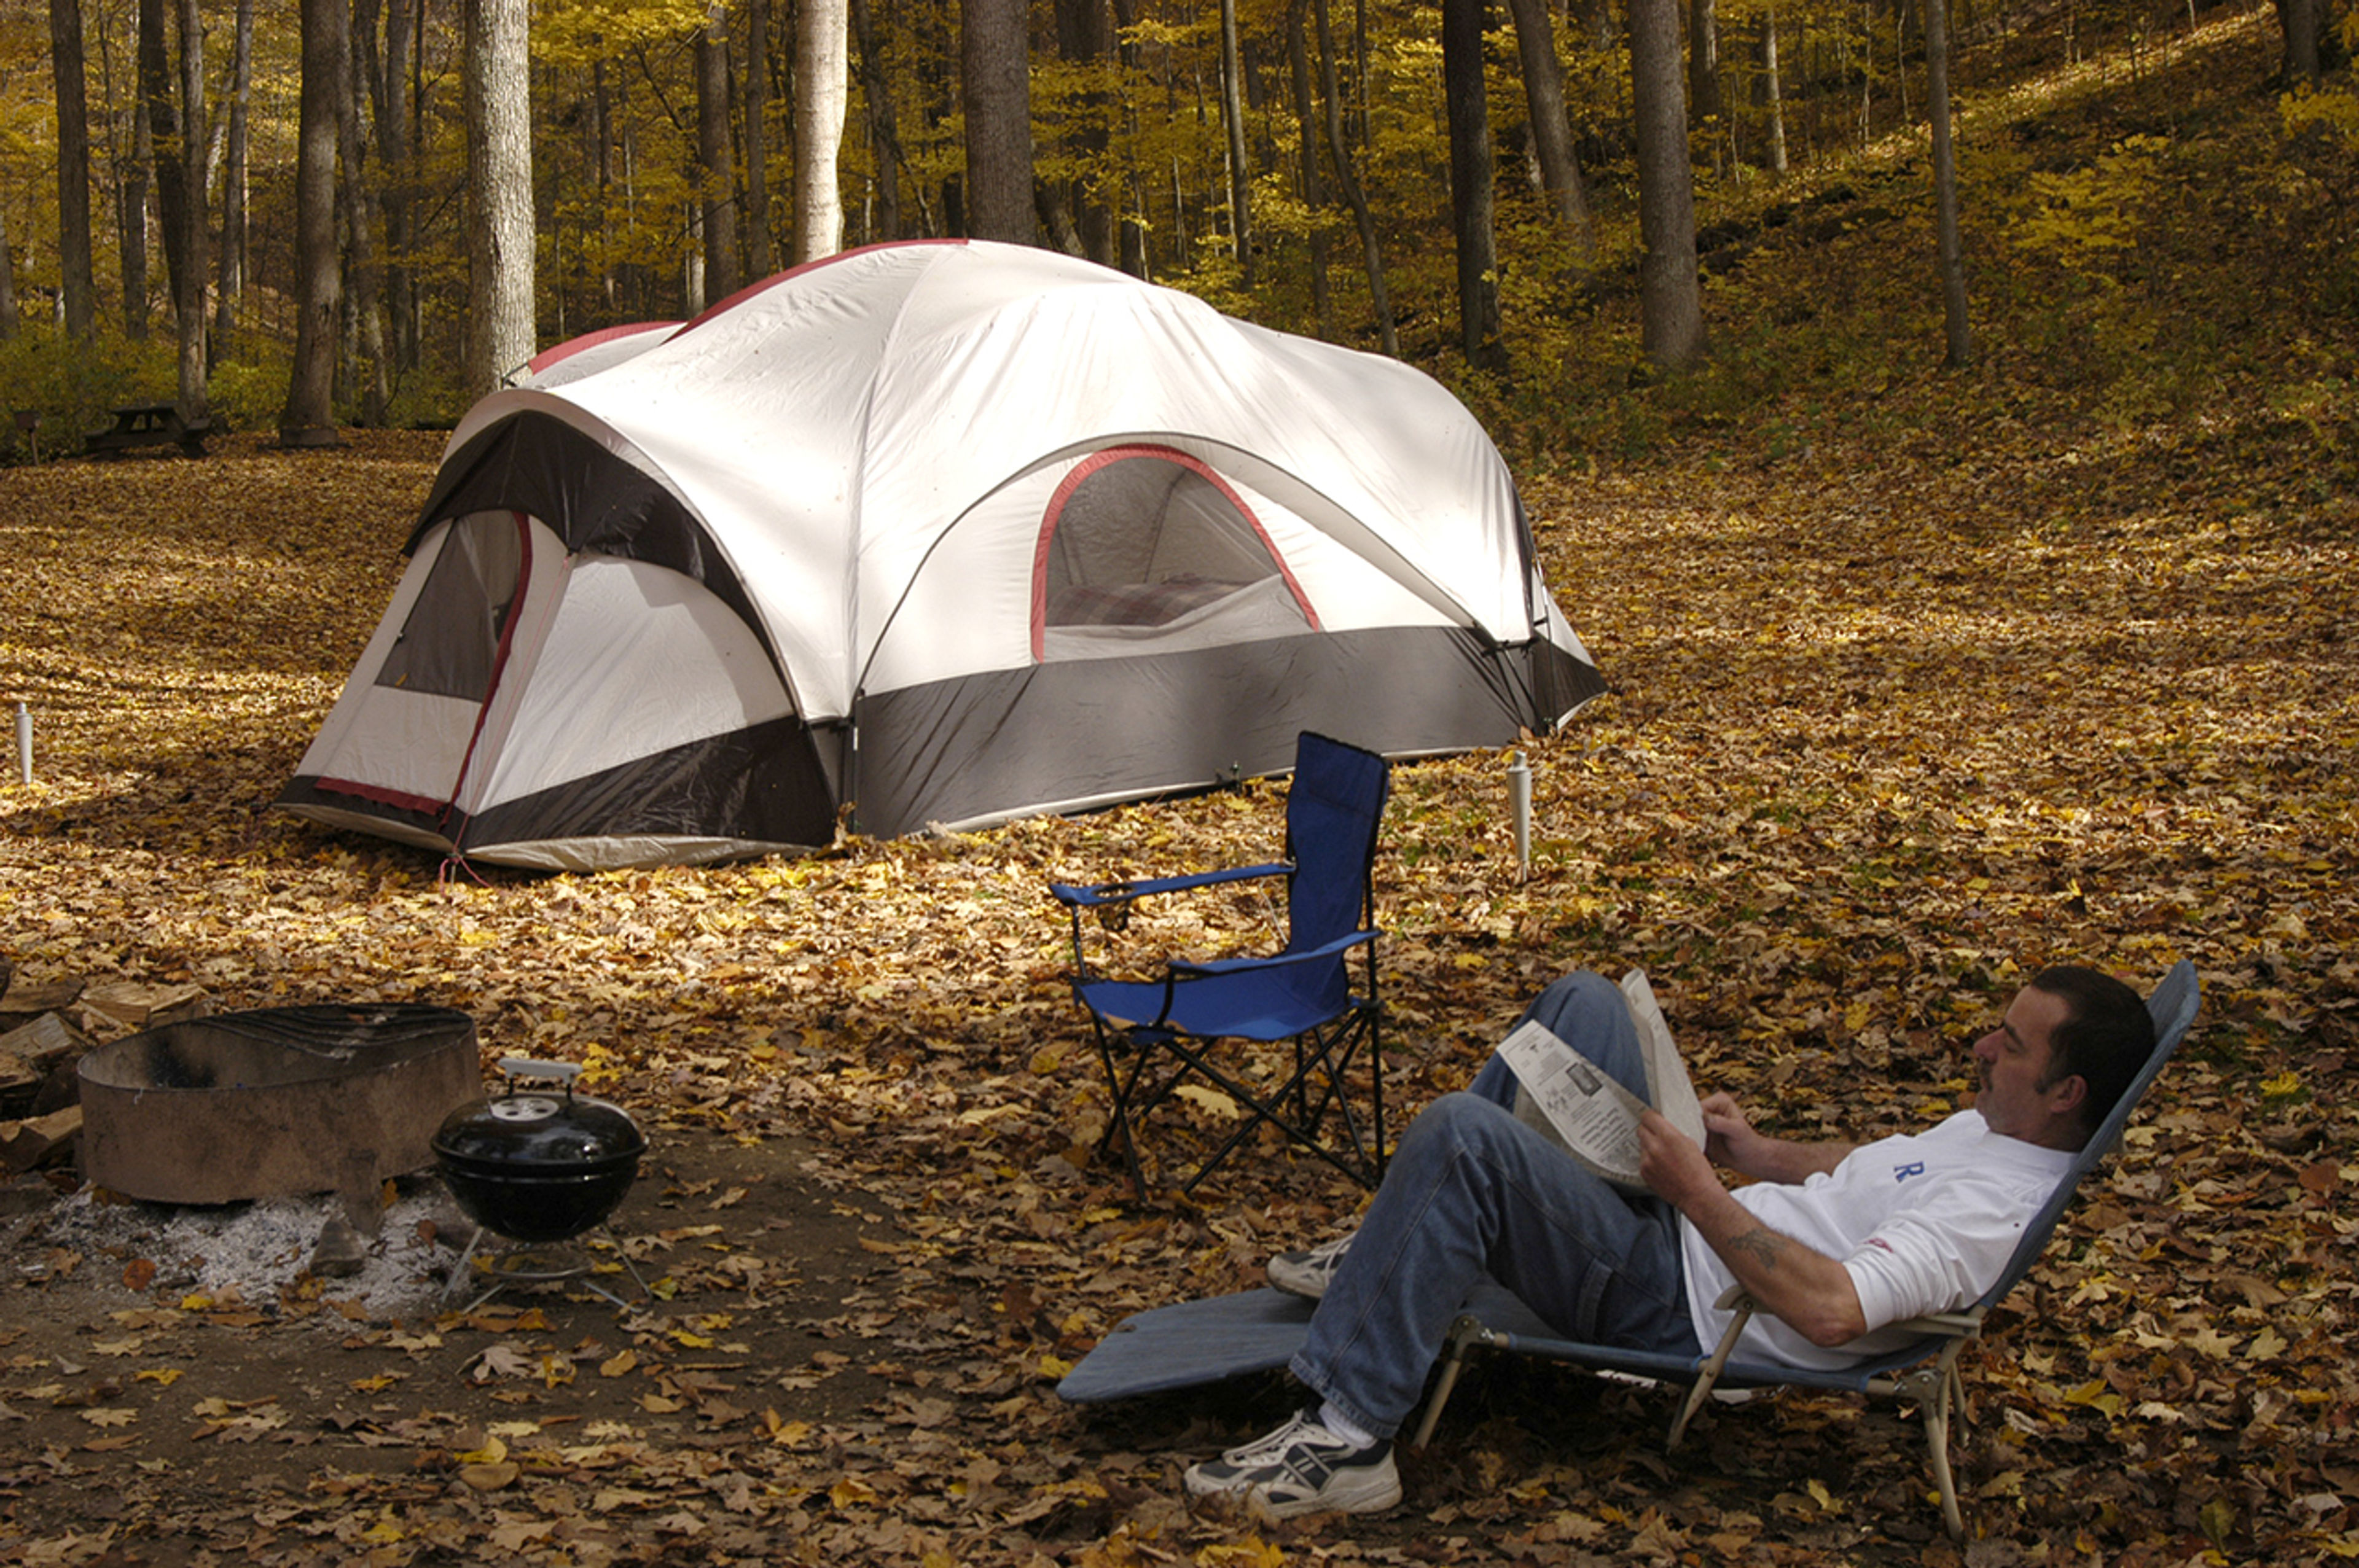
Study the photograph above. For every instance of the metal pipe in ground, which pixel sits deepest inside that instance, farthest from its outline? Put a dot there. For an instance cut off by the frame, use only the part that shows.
(24, 743)
(1520, 798)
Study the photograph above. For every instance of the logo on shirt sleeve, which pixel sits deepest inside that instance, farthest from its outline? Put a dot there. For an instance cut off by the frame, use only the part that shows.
(1914, 1168)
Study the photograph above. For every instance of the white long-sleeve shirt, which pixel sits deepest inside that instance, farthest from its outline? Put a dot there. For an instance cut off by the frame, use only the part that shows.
(1924, 1223)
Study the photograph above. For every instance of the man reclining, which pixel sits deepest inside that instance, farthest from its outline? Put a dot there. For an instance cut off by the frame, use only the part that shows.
(1833, 1241)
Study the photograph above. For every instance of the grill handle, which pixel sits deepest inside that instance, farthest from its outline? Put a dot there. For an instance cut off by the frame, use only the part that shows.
(531, 1067)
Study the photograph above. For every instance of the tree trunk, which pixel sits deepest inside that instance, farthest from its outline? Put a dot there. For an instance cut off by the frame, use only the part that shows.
(308, 419)
(1670, 302)
(131, 226)
(716, 165)
(229, 284)
(188, 282)
(1233, 118)
(500, 324)
(1703, 65)
(1953, 259)
(360, 201)
(761, 253)
(1769, 91)
(601, 120)
(884, 130)
(992, 63)
(823, 87)
(1084, 39)
(938, 99)
(7, 283)
(1055, 217)
(169, 168)
(2300, 21)
(397, 99)
(1472, 198)
(79, 295)
(1347, 178)
(1313, 189)
(1133, 242)
(1551, 129)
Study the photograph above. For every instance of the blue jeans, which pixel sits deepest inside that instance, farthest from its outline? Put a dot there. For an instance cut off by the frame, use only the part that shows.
(1472, 1190)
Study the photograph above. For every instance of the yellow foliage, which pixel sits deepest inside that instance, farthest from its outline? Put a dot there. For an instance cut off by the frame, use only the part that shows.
(2080, 217)
(2333, 110)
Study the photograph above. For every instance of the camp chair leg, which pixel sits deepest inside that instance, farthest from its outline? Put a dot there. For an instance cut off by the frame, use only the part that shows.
(1462, 1333)
(1937, 1391)
(1940, 1393)
(1127, 1107)
(1330, 1061)
(1708, 1373)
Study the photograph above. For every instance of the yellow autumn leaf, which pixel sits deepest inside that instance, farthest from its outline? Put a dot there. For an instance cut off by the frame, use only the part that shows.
(1210, 1099)
(491, 1452)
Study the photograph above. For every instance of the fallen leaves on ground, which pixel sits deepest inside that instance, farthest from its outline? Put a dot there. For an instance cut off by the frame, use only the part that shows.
(1889, 728)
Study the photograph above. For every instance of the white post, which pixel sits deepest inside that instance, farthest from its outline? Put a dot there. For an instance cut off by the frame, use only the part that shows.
(25, 741)
(1519, 797)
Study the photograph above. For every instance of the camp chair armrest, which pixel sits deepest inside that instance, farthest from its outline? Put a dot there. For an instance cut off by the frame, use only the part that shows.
(1956, 1324)
(1183, 970)
(1096, 893)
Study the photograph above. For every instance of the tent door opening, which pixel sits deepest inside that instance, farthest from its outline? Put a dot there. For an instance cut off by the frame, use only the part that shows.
(455, 645)
(1142, 542)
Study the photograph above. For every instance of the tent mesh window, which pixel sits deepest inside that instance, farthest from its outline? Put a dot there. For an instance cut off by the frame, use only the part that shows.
(1144, 538)
(461, 611)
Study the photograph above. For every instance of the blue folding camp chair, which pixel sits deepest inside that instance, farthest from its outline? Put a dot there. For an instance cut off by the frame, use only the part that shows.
(1152, 1035)
(1199, 1342)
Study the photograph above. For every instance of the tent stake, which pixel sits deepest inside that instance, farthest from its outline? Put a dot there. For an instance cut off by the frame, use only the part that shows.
(1520, 797)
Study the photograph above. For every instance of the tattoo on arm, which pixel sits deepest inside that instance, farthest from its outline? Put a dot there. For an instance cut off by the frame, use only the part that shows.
(1762, 1244)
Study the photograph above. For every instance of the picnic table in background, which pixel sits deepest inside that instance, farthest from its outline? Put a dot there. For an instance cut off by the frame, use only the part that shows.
(151, 424)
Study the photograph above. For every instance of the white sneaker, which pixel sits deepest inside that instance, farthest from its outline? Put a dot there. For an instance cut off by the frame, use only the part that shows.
(1308, 1274)
(1301, 1468)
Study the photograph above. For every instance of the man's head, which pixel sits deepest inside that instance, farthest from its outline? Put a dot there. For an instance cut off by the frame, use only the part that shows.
(2055, 1067)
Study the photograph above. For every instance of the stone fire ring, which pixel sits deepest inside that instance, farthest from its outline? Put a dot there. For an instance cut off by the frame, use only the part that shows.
(276, 1102)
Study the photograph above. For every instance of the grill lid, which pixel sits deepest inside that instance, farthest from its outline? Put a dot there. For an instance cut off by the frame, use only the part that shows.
(533, 1128)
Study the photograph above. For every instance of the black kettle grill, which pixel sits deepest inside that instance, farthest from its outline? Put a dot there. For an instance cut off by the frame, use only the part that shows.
(538, 1163)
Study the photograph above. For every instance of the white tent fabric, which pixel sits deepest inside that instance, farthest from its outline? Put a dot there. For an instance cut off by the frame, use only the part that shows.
(592, 351)
(938, 533)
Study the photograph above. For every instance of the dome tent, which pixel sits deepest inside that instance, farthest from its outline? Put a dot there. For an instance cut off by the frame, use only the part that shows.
(941, 533)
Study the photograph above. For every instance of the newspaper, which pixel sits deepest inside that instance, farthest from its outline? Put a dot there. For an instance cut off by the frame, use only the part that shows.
(1594, 1119)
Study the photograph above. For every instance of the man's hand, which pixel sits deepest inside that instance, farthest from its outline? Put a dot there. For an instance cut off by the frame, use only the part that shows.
(1732, 1141)
(1671, 1165)
(1729, 1139)
(1807, 1288)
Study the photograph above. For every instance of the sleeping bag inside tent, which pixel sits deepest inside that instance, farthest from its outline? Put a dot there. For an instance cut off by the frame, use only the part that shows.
(934, 533)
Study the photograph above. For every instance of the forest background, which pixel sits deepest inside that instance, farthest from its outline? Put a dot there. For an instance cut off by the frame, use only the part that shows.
(1921, 676)
(374, 214)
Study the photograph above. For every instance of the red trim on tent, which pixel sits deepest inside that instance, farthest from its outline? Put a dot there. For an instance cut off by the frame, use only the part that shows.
(776, 278)
(399, 799)
(499, 659)
(1104, 457)
(572, 346)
